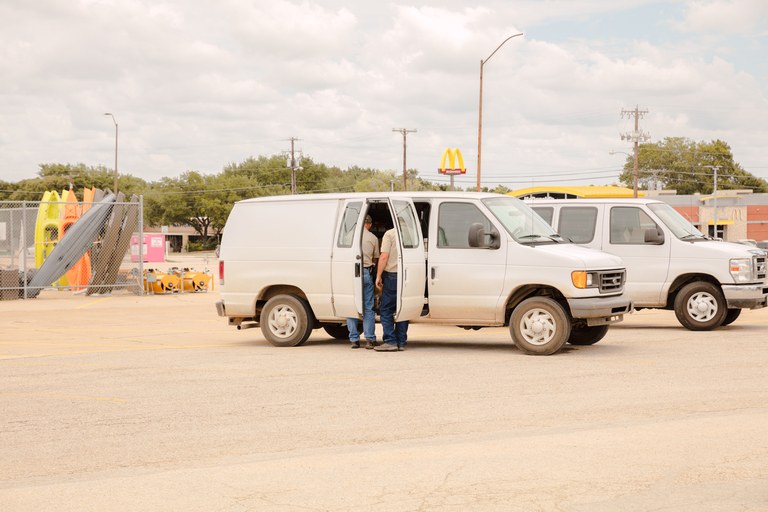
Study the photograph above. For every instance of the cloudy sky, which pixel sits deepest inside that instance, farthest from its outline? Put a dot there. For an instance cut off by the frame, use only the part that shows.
(196, 85)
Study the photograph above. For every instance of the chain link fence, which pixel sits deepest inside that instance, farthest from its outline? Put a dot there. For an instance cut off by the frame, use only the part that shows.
(83, 247)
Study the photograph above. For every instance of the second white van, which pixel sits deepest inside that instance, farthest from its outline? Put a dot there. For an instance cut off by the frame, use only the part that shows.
(670, 264)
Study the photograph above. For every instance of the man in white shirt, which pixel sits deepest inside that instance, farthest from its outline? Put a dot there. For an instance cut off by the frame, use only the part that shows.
(395, 333)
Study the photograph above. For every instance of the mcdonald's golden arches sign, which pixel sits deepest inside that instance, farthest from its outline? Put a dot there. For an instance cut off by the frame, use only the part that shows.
(455, 162)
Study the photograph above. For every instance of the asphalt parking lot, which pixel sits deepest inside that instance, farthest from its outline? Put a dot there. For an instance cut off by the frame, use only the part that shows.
(153, 403)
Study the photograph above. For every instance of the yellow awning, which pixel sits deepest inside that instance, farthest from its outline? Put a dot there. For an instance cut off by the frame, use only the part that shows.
(720, 222)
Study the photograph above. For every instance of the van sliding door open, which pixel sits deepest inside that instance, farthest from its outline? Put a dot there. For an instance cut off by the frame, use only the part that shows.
(411, 275)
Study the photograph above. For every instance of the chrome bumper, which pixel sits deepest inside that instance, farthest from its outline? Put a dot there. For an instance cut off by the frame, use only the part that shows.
(600, 310)
(745, 296)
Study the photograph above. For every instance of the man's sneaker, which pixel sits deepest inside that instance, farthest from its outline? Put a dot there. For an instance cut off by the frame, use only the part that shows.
(372, 343)
(355, 344)
(401, 347)
(385, 347)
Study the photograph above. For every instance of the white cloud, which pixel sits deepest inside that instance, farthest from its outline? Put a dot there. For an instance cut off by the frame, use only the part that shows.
(198, 85)
(725, 16)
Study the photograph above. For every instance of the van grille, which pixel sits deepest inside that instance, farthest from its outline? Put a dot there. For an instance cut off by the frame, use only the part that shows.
(611, 280)
(760, 266)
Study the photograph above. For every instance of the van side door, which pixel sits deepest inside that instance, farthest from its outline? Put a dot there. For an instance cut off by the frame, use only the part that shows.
(347, 260)
(411, 274)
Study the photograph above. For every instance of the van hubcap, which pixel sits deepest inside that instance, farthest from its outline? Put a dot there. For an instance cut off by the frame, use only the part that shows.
(283, 321)
(702, 307)
(538, 327)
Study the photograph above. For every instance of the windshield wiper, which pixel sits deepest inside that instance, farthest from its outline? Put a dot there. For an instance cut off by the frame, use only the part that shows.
(554, 238)
(696, 237)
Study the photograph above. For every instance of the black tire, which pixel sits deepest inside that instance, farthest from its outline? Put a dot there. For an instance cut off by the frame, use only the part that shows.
(587, 335)
(286, 321)
(731, 316)
(700, 306)
(539, 326)
(337, 331)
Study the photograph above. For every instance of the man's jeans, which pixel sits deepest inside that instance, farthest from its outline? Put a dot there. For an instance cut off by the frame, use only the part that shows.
(369, 320)
(395, 333)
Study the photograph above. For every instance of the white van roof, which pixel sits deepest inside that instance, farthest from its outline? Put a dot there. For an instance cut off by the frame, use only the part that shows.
(376, 195)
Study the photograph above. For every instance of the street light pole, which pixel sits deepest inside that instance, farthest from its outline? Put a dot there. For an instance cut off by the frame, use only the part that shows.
(480, 108)
(114, 121)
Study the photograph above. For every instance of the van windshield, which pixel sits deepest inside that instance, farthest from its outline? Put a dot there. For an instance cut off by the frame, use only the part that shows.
(522, 222)
(677, 224)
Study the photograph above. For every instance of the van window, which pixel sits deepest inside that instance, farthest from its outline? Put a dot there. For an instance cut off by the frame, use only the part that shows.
(577, 223)
(348, 224)
(453, 221)
(628, 225)
(545, 212)
(407, 223)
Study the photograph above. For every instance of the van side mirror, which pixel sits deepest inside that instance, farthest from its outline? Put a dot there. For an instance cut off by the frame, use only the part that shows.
(654, 236)
(477, 237)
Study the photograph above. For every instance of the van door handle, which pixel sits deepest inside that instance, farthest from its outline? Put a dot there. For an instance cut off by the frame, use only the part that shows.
(432, 273)
(357, 269)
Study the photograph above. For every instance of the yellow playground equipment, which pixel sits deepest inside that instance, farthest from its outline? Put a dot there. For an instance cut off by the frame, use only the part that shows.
(156, 281)
(177, 280)
(192, 280)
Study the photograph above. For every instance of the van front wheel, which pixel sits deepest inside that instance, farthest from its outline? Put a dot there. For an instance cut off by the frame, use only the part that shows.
(700, 306)
(286, 321)
(539, 326)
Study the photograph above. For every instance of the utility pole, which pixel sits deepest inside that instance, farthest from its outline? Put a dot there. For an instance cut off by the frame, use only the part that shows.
(405, 133)
(293, 164)
(635, 136)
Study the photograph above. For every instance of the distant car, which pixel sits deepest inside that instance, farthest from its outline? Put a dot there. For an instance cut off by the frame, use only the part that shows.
(763, 244)
(747, 241)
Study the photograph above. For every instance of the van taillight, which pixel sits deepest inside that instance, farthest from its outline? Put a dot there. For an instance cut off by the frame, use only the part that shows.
(221, 273)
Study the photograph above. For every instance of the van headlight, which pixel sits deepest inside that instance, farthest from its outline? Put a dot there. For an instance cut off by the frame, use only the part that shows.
(582, 279)
(741, 270)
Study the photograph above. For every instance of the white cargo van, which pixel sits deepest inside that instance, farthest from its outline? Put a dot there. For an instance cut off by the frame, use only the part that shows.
(291, 264)
(670, 264)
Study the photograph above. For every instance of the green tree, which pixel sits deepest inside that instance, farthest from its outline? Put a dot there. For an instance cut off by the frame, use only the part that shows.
(6, 190)
(186, 200)
(79, 176)
(688, 167)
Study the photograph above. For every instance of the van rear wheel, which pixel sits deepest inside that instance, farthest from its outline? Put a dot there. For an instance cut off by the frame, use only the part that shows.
(700, 306)
(337, 331)
(286, 321)
(539, 326)
(731, 316)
